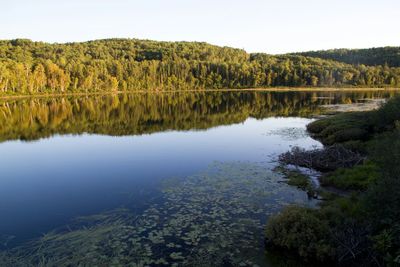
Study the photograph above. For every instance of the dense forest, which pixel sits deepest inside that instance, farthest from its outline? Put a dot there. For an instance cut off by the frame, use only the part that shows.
(28, 67)
(389, 56)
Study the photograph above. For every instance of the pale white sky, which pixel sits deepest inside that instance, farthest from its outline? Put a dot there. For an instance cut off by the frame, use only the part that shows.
(255, 25)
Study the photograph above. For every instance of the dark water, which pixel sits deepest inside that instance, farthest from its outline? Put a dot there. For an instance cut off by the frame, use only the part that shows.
(149, 179)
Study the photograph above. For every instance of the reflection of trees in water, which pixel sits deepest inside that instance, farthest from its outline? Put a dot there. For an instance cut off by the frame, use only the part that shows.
(132, 114)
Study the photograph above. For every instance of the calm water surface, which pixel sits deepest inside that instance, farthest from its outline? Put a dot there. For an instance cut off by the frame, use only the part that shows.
(149, 179)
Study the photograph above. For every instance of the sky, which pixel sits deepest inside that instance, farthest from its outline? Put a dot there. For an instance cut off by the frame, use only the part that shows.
(273, 27)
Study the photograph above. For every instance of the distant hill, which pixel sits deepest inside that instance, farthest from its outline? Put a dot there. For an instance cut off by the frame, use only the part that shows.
(120, 49)
(28, 67)
(389, 56)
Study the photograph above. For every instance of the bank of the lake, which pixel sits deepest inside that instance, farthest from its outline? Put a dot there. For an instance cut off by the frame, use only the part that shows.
(6, 96)
(360, 227)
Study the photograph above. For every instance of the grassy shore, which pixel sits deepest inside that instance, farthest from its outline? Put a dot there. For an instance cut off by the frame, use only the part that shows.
(362, 227)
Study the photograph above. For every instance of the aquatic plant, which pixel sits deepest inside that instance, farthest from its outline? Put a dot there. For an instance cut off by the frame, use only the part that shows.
(290, 133)
(212, 218)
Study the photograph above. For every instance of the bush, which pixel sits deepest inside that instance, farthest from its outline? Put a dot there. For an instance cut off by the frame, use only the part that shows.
(386, 117)
(381, 205)
(302, 231)
(384, 150)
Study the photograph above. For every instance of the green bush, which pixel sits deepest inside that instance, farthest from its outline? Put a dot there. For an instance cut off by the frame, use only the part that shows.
(302, 231)
(386, 117)
(384, 150)
(382, 200)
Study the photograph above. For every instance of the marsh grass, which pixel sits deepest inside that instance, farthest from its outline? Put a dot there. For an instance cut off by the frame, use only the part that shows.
(342, 128)
(357, 178)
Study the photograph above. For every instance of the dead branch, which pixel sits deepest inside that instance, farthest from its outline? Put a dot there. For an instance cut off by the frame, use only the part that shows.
(325, 159)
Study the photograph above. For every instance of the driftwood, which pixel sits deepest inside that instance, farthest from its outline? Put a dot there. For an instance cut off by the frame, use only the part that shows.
(325, 159)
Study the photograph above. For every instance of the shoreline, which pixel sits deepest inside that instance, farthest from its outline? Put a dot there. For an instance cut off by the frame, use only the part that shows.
(272, 89)
(359, 186)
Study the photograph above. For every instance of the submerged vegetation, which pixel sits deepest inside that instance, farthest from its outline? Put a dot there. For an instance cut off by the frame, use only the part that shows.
(363, 228)
(28, 67)
(300, 180)
(213, 218)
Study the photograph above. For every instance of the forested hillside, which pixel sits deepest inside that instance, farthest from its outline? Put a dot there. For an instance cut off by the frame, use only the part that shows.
(389, 56)
(28, 67)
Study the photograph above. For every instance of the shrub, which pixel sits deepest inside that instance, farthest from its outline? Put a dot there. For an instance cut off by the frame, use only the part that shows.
(302, 231)
(387, 115)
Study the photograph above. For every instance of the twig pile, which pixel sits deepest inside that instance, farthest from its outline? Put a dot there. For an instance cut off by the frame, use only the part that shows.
(326, 159)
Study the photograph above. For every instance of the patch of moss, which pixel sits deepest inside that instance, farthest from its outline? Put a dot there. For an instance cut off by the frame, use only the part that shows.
(298, 179)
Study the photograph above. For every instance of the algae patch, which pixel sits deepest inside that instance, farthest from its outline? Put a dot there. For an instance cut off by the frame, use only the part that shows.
(289, 133)
(212, 218)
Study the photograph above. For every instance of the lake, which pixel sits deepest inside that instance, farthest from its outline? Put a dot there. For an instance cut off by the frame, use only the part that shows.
(150, 178)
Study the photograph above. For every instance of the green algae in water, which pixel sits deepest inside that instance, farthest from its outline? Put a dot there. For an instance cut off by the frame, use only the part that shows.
(289, 133)
(212, 218)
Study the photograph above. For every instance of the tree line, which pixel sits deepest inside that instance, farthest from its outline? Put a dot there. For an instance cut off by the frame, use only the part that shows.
(28, 67)
(389, 56)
